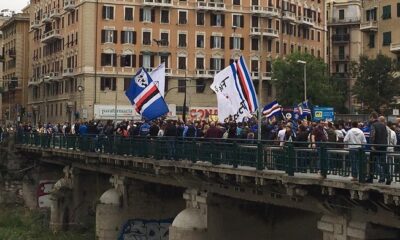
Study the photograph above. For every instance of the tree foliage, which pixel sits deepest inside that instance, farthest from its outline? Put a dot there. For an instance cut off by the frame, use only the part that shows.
(378, 82)
(321, 89)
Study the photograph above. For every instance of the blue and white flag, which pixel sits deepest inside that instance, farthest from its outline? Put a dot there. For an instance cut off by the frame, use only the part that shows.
(272, 109)
(306, 108)
(244, 85)
(144, 94)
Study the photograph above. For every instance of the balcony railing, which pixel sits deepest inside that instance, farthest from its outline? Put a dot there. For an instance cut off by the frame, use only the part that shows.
(55, 13)
(46, 18)
(159, 3)
(341, 37)
(35, 24)
(265, 11)
(288, 16)
(267, 32)
(212, 6)
(369, 26)
(54, 76)
(395, 47)
(68, 72)
(51, 36)
(202, 73)
(348, 20)
(307, 21)
(69, 5)
(340, 58)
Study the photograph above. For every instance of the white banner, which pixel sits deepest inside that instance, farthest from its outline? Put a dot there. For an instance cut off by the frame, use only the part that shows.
(158, 76)
(229, 101)
(107, 112)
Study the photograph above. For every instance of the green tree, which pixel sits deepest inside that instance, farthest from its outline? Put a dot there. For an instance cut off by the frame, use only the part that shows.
(378, 82)
(321, 89)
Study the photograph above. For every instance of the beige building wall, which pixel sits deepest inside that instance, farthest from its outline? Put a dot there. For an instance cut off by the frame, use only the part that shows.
(82, 65)
(2, 20)
(16, 62)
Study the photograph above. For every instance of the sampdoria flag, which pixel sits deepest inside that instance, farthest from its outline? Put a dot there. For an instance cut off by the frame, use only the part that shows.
(145, 95)
(231, 102)
(158, 76)
(244, 85)
(306, 108)
(272, 109)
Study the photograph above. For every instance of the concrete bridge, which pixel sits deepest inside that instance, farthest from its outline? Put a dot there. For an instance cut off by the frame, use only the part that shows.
(179, 189)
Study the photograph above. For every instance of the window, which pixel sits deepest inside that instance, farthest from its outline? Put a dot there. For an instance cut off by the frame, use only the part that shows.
(182, 17)
(199, 63)
(236, 43)
(398, 9)
(182, 40)
(108, 12)
(387, 38)
(387, 12)
(319, 36)
(371, 14)
(146, 38)
(164, 16)
(128, 60)
(127, 82)
(277, 47)
(200, 85)
(109, 59)
(312, 34)
(146, 61)
(341, 53)
(238, 21)
(146, 15)
(200, 18)
(217, 20)
(108, 36)
(200, 41)
(341, 14)
(236, 2)
(254, 44)
(269, 45)
(128, 14)
(217, 42)
(164, 39)
(371, 43)
(217, 63)
(254, 65)
(181, 85)
(164, 59)
(128, 37)
(107, 83)
(182, 63)
(284, 48)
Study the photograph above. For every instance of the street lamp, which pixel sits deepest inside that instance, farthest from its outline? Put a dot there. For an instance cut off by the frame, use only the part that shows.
(305, 77)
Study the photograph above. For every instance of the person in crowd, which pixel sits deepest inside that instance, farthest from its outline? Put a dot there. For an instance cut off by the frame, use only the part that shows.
(213, 131)
(354, 139)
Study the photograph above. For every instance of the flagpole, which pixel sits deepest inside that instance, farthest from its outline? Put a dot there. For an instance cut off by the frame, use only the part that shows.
(260, 84)
(184, 103)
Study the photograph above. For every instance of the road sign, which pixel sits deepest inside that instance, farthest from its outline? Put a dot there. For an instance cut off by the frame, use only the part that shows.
(396, 112)
(324, 113)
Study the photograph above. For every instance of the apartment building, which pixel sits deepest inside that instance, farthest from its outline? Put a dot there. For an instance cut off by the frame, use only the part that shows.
(2, 20)
(381, 28)
(15, 50)
(345, 46)
(84, 53)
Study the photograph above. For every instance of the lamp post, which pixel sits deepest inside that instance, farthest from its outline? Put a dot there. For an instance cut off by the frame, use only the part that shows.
(305, 77)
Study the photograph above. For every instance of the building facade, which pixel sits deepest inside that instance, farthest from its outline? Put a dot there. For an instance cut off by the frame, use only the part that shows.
(2, 20)
(345, 45)
(84, 53)
(15, 66)
(380, 27)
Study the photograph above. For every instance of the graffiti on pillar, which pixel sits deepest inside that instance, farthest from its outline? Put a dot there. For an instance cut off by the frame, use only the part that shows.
(43, 193)
(139, 229)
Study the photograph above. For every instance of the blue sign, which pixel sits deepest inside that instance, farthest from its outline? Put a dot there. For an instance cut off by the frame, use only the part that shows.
(324, 113)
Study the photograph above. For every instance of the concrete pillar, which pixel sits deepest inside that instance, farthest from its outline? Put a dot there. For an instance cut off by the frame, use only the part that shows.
(110, 212)
(29, 193)
(191, 223)
(341, 228)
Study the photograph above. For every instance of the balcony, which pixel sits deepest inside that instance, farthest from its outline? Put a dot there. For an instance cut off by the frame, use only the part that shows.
(306, 21)
(266, 75)
(168, 71)
(55, 76)
(51, 36)
(158, 3)
(344, 21)
(202, 73)
(69, 5)
(288, 16)
(265, 11)
(211, 6)
(341, 38)
(266, 32)
(395, 48)
(46, 18)
(369, 26)
(341, 58)
(68, 72)
(35, 25)
(33, 82)
(55, 13)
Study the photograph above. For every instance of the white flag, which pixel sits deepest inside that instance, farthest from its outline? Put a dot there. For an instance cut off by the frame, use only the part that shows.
(230, 103)
(158, 76)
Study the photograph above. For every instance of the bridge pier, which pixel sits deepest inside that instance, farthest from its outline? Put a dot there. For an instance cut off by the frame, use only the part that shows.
(191, 223)
(341, 228)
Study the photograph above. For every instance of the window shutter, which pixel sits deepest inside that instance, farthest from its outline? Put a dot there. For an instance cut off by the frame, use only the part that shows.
(140, 60)
(103, 36)
(114, 63)
(103, 63)
(223, 63)
(122, 37)
(153, 15)
(211, 63)
(222, 20)
(241, 21)
(241, 43)
(115, 36)
(222, 42)
(111, 12)
(230, 42)
(212, 20)
(141, 15)
(122, 60)
(104, 12)
(152, 61)
(211, 41)
(134, 37)
(133, 60)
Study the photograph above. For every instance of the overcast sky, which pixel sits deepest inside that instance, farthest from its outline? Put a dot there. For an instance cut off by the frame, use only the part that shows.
(15, 5)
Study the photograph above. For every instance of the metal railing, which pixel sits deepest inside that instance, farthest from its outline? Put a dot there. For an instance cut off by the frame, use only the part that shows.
(322, 159)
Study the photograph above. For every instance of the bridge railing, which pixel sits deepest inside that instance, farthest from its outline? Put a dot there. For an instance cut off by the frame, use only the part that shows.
(324, 159)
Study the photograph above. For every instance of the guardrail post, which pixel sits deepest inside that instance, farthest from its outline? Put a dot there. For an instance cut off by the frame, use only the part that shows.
(235, 154)
(145, 147)
(260, 158)
(323, 159)
(193, 152)
(362, 165)
(290, 159)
